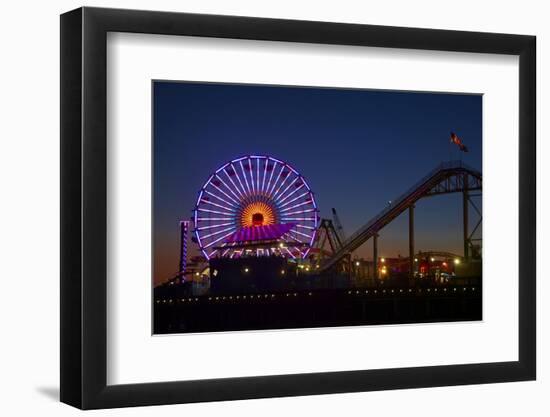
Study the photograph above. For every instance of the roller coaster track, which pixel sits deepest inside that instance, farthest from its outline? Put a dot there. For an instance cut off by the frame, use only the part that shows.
(448, 177)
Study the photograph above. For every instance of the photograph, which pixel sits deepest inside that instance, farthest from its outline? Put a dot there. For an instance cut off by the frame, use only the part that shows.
(287, 207)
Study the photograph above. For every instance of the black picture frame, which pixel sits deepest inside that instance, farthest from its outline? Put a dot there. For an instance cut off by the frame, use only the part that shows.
(84, 207)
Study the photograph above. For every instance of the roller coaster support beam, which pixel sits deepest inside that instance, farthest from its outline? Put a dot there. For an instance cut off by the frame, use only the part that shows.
(411, 241)
(375, 256)
(465, 216)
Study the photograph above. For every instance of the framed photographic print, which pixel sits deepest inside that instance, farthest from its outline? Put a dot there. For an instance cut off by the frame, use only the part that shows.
(244, 199)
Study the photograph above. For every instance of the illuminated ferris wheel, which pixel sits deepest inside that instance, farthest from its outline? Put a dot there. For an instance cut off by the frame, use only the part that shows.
(255, 205)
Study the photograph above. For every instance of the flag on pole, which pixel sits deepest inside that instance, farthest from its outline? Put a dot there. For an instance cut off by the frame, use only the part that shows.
(457, 141)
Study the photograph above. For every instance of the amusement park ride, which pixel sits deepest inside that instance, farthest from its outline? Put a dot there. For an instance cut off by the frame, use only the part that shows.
(446, 178)
(256, 206)
(259, 206)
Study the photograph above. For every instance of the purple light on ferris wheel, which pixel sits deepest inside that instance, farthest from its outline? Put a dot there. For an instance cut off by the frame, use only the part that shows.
(251, 176)
(303, 203)
(263, 188)
(277, 179)
(258, 176)
(288, 186)
(294, 199)
(292, 193)
(244, 175)
(259, 233)
(265, 174)
(271, 175)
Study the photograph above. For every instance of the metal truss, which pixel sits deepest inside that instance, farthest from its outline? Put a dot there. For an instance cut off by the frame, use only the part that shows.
(446, 178)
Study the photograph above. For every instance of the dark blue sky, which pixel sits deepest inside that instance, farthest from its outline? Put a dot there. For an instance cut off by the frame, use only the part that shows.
(357, 149)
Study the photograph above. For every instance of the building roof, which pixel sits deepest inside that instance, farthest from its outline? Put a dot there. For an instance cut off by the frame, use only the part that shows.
(259, 233)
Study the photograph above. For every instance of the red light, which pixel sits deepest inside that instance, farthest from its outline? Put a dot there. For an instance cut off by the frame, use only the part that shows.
(257, 219)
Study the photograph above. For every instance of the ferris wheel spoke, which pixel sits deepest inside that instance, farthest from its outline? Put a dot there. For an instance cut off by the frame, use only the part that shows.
(234, 185)
(227, 208)
(299, 251)
(302, 234)
(290, 253)
(300, 212)
(265, 174)
(296, 205)
(291, 237)
(291, 194)
(214, 211)
(294, 247)
(298, 218)
(313, 237)
(244, 175)
(224, 193)
(208, 219)
(281, 185)
(213, 226)
(239, 179)
(303, 226)
(286, 189)
(219, 232)
(270, 176)
(218, 239)
(294, 199)
(277, 179)
(221, 199)
(251, 172)
(258, 174)
(228, 187)
(218, 205)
